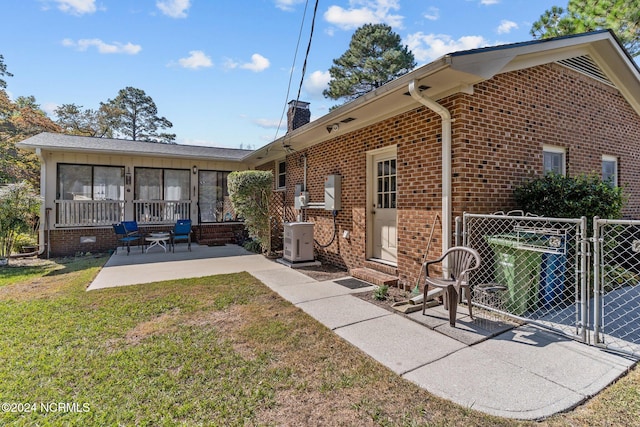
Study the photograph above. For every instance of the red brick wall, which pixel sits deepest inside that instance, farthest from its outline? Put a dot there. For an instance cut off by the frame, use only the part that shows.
(66, 242)
(498, 136)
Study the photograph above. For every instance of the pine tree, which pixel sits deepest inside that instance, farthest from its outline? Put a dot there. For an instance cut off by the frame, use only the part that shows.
(138, 119)
(621, 16)
(375, 56)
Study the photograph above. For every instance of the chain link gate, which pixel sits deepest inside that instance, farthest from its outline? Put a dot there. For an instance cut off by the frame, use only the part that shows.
(616, 296)
(533, 269)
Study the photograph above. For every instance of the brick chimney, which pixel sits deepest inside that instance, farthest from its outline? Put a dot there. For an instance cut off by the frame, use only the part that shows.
(298, 115)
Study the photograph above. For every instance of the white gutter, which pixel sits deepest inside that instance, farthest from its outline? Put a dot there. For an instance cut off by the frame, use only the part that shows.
(446, 159)
(43, 212)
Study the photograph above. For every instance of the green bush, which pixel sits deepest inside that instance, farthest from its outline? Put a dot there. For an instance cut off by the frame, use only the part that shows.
(249, 192)
(559, 196)
(19, 207)
(253, 246)
(23, 240)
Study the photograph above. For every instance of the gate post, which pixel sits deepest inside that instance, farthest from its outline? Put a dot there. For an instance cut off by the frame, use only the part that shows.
(584, 294)
(597, 255)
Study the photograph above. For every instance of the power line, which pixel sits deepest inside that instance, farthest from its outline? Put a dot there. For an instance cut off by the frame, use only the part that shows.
(304, 66)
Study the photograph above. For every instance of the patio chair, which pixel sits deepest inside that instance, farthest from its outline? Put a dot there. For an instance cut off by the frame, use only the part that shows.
(125, 238)
(181, 232)
(132, 228)
(461, 261)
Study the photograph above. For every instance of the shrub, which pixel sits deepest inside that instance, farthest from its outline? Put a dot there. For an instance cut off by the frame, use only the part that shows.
(19, 207)
(24, 240)
(559, 196)
(249, 192)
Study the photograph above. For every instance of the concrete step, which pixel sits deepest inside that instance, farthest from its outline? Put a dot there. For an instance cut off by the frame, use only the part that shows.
(373, 276)
(379, 266)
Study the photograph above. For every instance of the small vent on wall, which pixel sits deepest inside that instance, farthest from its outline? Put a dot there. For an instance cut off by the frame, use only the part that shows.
(585, 65)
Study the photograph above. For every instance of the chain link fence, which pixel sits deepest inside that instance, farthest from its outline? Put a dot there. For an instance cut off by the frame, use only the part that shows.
(548, 271)
(533, 269)
(616, 301)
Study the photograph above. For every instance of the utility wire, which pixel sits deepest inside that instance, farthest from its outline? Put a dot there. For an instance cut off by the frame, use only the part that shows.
(293, 66)
(304, 65)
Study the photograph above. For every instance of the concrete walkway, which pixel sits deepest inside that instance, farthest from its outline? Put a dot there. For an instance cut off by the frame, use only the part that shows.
(522, 373)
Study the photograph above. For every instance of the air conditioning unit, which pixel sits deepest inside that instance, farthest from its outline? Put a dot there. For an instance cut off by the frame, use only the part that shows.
(298, 241)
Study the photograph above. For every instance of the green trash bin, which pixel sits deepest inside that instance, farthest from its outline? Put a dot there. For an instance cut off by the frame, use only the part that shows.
(518, 269)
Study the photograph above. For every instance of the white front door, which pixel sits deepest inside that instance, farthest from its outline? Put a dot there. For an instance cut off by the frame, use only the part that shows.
(383, 207)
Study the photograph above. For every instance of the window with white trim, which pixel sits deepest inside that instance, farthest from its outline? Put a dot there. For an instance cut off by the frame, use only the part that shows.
(282, 174)
(553, 159)
(610, 169)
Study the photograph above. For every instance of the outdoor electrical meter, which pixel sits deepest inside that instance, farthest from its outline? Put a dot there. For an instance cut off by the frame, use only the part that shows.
(332, 192)
(301, 198)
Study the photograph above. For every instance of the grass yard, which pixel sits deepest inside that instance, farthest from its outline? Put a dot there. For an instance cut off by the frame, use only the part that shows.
(220, 350)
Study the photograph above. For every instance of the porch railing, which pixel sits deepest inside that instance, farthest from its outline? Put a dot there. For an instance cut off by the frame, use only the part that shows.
(91, 213)
(74, 213)
(160, 211)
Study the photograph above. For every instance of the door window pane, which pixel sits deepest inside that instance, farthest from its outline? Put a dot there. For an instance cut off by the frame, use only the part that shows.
(386, 190)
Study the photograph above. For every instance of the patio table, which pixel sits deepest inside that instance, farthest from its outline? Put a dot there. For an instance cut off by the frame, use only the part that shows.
(158, 239)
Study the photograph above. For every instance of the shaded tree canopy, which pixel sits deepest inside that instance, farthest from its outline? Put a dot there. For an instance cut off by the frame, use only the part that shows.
(95, 123)
(3, 72)
(375, 56)
(19, 120)
(137, 117)
(621, 16)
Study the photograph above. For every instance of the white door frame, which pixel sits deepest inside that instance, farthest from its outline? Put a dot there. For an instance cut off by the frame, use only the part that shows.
(391, 151)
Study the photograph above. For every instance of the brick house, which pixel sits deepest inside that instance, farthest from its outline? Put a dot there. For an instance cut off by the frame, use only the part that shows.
(455, 135)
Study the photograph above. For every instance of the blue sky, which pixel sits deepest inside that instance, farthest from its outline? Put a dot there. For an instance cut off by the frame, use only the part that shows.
(219, 70)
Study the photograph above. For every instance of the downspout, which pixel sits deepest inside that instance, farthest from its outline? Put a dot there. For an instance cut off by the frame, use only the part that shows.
(446, 159)
(44, 212)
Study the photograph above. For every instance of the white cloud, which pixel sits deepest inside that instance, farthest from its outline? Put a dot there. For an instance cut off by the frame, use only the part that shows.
(49, 108)
(506, 26)
(230, 64)
(362, 12)
(196, 59)
(427, 47)
(316, 82)
(287, 5)
(489, 2)
(115, 47)
(267, 123)
(174, 8)
(258, 63)
(433, 14)
(77, 7)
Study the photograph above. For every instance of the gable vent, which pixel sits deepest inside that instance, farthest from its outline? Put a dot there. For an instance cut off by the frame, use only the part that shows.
(585, 65)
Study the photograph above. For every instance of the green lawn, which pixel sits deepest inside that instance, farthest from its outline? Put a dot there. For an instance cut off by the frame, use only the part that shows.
(220, 350)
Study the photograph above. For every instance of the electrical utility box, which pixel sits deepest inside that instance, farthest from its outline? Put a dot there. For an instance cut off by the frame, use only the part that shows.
(300, 197)
(332, 192)
(298, 241)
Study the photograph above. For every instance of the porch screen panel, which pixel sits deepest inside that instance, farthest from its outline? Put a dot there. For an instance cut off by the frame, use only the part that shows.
(176, 184)
(74, 182)
(148, 184)
(108, 183)
(213, 197)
